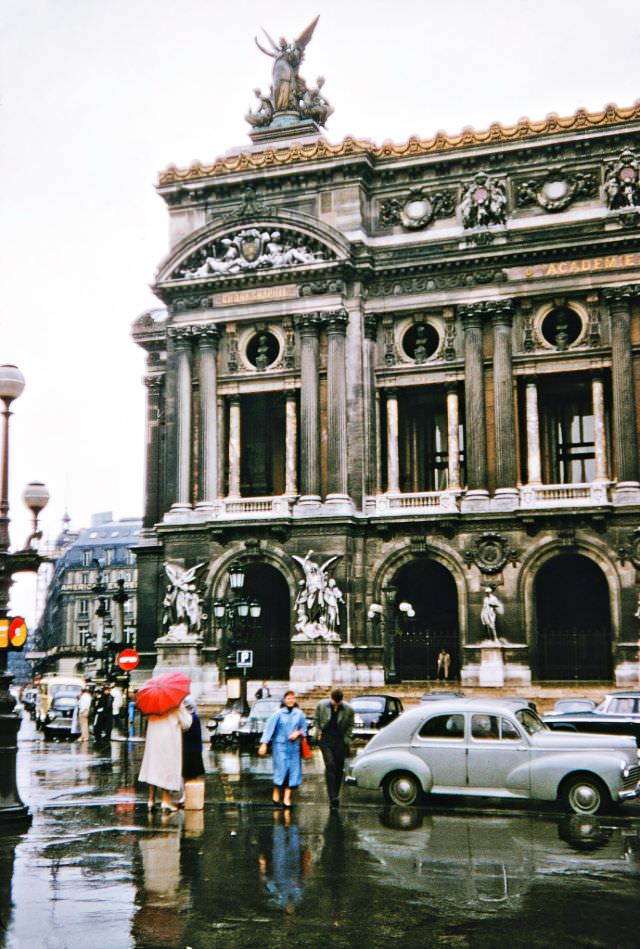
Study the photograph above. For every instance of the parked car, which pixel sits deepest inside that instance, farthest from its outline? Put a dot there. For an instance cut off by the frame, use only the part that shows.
(49, 687)
(224, 728)
(373, 712)
(617, 714)
(498, 749)
(441, 694)
(28, 699)
(57, 722)
(252, 727)
(564, 706)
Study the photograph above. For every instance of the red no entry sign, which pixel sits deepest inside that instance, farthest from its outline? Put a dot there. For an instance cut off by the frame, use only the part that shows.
(128, 659)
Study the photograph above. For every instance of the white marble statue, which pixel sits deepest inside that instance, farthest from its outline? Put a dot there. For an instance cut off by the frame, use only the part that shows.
(318, 601)
(491, 607)
(182, 603)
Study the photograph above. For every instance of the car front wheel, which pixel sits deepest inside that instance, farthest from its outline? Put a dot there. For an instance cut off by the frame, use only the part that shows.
(402, 788)
(585, 794)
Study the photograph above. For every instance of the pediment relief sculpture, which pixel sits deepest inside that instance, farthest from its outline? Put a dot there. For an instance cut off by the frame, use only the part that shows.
(251, 249)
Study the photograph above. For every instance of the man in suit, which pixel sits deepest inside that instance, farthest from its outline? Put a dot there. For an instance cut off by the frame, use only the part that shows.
(334, 722)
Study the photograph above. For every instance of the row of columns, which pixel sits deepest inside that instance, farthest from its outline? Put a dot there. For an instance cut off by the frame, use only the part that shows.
(308, 326)
(500, 314)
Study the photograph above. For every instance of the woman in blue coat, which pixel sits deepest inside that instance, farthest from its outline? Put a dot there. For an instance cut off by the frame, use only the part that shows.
(284, 730)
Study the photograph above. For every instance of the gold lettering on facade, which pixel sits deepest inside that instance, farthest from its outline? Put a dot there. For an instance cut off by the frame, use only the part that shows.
(255, 295)
(565, 268)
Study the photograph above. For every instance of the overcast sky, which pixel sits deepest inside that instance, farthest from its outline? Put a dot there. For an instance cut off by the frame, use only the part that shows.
(98, 96)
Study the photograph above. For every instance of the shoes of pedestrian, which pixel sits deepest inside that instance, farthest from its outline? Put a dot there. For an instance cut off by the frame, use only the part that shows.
(168, 808)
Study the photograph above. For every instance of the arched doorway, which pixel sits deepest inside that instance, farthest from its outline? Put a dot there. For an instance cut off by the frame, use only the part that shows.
(431, 591)
(574, 623)
(269, 636)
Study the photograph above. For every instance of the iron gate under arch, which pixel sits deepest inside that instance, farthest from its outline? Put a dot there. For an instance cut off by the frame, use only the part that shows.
(431, 591)
(574, 625)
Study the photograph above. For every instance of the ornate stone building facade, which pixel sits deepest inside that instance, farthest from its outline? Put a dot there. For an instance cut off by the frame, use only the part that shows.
(423, 359)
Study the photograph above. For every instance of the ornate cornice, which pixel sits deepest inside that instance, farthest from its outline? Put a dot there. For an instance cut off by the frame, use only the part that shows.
(319, 150)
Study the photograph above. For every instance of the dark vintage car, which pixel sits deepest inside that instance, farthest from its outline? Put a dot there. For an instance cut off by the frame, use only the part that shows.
(373, 712)
(617, 714)
(57, 723)
(252, 727)
(224, 728)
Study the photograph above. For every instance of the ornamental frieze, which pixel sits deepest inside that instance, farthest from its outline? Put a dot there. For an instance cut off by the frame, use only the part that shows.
(417, 210)
(251, 249)
(556, 190)
(446, 281)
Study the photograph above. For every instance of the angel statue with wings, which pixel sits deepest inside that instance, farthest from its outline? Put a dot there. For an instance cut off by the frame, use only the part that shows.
(317, 603)
(182, 603)
(289, 92)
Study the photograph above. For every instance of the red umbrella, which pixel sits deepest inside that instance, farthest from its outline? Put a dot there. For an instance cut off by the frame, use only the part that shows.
(163, 693)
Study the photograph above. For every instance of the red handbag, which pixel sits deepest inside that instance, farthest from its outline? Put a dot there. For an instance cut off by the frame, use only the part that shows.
(305, 748)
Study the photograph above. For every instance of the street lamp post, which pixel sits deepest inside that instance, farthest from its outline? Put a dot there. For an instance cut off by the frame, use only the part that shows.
(26, 560)
(233, 614)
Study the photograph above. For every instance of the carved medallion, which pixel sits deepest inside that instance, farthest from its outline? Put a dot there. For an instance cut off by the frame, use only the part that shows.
(622, 182)
(484, 202)
(556, 190)
(490, 553)
(417, 210)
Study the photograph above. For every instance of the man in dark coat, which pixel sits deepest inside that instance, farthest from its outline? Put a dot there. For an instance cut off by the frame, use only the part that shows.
(103, 722)
(334, 722)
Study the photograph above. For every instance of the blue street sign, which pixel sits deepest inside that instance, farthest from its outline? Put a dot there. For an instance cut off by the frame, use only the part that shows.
(244, 658)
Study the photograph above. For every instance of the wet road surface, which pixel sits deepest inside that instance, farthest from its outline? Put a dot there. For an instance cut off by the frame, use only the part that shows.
(96, 870)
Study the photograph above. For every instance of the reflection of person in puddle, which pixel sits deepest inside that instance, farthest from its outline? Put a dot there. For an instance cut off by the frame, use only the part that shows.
(162, 893)
(283, 879)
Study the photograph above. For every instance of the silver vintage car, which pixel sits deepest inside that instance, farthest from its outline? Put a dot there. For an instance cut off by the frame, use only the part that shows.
(495, 748)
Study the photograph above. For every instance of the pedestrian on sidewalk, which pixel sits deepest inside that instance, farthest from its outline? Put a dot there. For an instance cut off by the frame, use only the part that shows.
(334, 722)
(162, 760)
(192, 763)
(103, 722)
(284, 729)
(263, 692)
(84, 708)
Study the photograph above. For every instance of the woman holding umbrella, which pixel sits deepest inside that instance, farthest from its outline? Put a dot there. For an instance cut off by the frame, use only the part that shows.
(161, 700)
(284, 729)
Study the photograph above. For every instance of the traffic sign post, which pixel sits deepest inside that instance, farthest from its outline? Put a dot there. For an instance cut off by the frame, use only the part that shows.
(13, 632)
(244, 658)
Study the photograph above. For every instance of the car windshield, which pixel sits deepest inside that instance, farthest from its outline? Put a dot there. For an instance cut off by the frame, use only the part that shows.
(264, 707)
(530, 721)
(367, 705)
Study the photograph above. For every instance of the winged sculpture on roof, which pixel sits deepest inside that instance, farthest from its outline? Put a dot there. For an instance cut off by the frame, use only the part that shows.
(289, 92)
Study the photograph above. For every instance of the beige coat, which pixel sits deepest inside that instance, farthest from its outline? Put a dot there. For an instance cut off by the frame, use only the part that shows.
(162, 760)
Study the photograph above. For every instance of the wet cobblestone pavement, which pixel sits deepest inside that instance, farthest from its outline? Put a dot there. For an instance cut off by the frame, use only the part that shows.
(96, 870)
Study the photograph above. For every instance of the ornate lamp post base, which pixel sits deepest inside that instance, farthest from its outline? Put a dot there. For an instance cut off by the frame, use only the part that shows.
(12, 809)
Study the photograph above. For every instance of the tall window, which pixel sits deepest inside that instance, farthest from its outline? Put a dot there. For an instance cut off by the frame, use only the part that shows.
(568, 433)
(262, 444)
(424, 440)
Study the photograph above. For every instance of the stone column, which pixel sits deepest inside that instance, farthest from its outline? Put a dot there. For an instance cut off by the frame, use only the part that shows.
(183, 338)
(477, 495)
(207, 352)
(625, 442)
(308, 327)
(371, 421)
(599, 427)
(534, 467)
(291, 444)
(393, 455)
(153, 506)
(506, 495)
(234, 446)
(337, 487)
(453, 438)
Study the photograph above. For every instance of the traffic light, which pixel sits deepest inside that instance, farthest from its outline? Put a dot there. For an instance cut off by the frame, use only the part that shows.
(101, 609)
